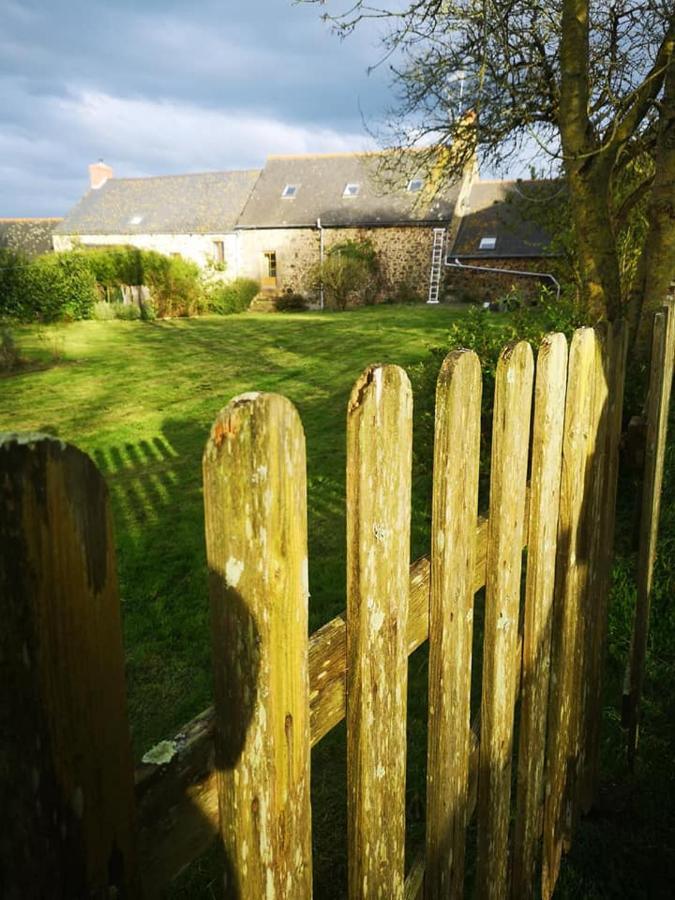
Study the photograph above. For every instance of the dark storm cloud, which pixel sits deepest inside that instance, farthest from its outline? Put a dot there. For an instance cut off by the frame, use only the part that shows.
(173, 86)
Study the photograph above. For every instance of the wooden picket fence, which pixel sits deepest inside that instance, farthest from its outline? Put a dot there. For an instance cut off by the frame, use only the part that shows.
(82, 824)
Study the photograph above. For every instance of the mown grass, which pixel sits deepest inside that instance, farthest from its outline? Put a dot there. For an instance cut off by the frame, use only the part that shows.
(140, 398)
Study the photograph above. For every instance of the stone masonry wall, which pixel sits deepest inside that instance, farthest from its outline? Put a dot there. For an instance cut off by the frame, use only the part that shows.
(468, 284)
(404, 253)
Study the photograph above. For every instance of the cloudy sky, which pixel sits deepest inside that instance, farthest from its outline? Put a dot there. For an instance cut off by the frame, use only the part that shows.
(165, 86)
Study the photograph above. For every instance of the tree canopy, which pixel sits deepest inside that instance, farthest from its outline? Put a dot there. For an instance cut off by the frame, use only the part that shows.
(590, 84)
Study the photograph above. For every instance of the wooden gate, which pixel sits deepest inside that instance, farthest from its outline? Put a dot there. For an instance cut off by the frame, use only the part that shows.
(68, 788)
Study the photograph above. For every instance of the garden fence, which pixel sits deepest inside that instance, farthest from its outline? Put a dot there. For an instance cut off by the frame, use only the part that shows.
(82, 824)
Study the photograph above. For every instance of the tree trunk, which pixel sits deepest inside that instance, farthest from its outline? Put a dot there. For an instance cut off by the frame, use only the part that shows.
(588, 170)
(656, 266)
(596, 244)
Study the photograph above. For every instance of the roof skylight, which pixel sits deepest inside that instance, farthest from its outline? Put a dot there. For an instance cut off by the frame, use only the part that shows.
(487, 243)
(135, 220)
(351, 190)
(415, 185)
(289, 191)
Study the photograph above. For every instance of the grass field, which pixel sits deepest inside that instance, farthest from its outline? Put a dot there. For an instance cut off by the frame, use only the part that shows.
(140, 398)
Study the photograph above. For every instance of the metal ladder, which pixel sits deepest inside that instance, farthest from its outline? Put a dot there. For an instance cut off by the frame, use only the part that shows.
(436, 265)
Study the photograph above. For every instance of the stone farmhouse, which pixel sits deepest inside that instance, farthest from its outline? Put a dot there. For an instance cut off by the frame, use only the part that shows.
(189, 215)
(276, 224)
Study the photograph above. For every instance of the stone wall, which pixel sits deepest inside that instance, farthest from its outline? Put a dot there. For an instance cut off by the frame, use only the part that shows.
(404, 253)
(468, 284)
(196, 247)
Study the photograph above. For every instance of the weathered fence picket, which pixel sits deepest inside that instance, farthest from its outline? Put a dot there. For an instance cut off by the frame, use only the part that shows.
(278, 692)
(658, 403)
(549, 408)
(455, 511)
(65, 751)
(256, 539)
(617, 348)
(567, 655)
(508, 487)
(591, 544)
(379, 460)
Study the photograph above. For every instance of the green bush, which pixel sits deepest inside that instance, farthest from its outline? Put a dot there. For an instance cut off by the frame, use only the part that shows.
(12, 272)
(226, 297)
(128, 312)
(349, 272)
(290, 302)
(49, 288)
(58, 286)
(10, 355)
(175, 283)
(103, 311)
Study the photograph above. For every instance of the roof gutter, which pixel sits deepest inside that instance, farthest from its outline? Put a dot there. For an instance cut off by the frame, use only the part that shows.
(456, 264)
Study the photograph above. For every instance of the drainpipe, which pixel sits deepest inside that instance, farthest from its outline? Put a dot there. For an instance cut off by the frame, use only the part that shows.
(456, 264)
(318, 225)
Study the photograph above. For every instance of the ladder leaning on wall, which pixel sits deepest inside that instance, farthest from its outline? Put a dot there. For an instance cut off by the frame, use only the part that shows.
(436, 265)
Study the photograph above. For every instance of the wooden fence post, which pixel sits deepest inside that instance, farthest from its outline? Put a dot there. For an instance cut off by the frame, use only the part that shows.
(256, 538)
(572, 573)
(510, 450)
(616, 372)
(549, 414)
(379, 455)
(453, 550)
(658, 404)
(591, 548)
(65, 752)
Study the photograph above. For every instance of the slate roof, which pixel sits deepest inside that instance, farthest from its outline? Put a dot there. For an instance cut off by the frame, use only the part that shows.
(29, 236)
(207, 203)
(505, 210)
(321, 180)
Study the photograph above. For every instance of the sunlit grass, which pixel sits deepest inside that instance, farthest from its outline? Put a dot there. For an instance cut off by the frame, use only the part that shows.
(140, 398)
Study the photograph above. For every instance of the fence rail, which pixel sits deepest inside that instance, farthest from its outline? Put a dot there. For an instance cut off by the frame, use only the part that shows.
(241, 769)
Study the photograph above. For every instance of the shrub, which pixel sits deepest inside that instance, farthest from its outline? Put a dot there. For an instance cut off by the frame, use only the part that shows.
(48, 288)
(59, 286)
(175, 284)
(128, 312)
(12, 269)
(103, 311)
(226, 297)
(290, 302)
(10, 355)
(350, 271)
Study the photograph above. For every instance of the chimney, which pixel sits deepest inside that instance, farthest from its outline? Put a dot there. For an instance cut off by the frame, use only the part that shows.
(99, 173)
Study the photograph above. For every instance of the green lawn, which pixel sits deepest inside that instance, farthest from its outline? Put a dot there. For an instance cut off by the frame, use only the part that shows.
(141, 397)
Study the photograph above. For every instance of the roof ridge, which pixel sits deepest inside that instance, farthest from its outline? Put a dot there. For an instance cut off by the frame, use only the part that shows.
(184, 175)
(31, 218)
(383, 151)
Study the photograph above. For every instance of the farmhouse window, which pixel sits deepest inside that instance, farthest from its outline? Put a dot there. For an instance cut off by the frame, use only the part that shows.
(271, 258)
(487, 243)
(218, 251)
(289, 191)
(351, 190)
